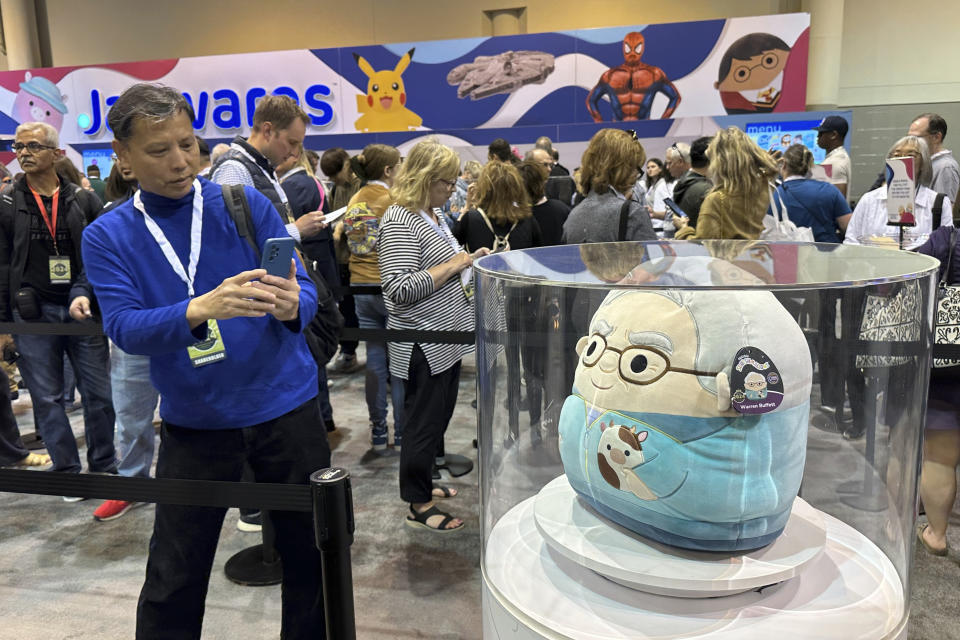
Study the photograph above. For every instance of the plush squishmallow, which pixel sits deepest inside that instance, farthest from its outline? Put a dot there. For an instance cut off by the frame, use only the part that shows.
(688, 418)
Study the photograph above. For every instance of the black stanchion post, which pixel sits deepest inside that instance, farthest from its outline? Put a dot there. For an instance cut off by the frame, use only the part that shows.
(333, 525)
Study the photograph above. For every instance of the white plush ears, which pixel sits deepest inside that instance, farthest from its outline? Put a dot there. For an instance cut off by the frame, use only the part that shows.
(723, 391)
(581, 344)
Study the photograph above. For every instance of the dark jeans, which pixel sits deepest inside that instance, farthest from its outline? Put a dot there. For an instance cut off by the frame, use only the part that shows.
(348, 310)
(41, 364)
(11, 446)
(429, 401)
(283, 450)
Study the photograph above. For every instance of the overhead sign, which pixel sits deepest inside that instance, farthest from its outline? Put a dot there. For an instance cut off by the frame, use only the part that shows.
(736, 66)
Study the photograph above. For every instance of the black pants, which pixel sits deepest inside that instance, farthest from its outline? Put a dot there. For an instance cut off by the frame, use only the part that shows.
(11, 446)
(429, 401)
(348, 309)
(284, 450)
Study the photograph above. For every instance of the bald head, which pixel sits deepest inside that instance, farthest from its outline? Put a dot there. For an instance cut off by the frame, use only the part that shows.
(541, 157)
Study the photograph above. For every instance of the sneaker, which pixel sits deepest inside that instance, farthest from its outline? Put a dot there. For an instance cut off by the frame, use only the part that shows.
(378, 437)
(397, 440)
(346, 363)
(113, 509)
(73, 499)
(250, 522)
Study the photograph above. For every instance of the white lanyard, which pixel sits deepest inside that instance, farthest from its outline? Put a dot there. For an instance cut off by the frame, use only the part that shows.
(442, 230)
(196, 228)
(271, 175)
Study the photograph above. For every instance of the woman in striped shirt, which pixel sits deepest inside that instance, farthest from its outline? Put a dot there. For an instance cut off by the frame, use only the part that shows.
(427, 285)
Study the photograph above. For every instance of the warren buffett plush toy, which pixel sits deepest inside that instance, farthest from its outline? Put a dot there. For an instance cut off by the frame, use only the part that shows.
(688, 418)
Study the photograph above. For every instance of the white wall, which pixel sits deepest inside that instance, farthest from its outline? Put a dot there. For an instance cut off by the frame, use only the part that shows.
(900, 52)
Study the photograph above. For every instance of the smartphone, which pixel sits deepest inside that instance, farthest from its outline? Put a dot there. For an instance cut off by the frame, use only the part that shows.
(276, 256)
(677, 211)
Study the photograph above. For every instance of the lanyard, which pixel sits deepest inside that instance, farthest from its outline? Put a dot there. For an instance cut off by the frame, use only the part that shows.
(442, 231)
(196, 227)
(51, 219)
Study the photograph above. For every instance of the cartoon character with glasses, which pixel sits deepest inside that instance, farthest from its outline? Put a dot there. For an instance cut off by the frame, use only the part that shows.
(751, 74)
(652, 436)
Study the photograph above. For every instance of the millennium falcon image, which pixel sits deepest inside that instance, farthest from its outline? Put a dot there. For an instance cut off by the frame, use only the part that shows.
(502, 73)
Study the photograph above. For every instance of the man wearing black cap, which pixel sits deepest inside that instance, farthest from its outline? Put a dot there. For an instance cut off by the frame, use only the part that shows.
(830, 135)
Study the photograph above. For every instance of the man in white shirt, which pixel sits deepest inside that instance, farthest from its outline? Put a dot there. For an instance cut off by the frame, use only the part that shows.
(830, 135)
(946, 172)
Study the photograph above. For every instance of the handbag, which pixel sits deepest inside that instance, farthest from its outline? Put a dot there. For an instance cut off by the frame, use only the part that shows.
(947, 327)
(890, 318)
(779, 228)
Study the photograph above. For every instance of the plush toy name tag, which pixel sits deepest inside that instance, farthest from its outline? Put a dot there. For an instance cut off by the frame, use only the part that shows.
(210, 350)
(59, 270)
(755, 382)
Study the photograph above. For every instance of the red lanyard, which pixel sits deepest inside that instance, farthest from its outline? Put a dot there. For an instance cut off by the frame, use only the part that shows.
(51, 219)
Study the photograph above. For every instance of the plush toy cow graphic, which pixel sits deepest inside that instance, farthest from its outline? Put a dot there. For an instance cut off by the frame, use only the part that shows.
(620, 451)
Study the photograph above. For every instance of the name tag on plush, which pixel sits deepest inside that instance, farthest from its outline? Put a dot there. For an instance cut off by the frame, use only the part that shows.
(210, 350)
(59, 270)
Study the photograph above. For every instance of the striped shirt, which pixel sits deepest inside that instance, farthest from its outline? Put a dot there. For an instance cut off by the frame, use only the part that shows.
(408, 245)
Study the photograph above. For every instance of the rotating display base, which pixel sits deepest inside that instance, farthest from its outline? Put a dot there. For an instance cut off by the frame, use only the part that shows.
(850, 591)
(580, 534)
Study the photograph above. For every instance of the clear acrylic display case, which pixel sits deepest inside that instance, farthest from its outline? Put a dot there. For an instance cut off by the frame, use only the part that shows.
(561, 564)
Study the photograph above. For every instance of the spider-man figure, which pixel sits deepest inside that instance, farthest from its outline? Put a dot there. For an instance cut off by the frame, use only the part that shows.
(632, 86)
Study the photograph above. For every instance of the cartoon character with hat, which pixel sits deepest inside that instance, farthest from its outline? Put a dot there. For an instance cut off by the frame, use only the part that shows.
(39, 100)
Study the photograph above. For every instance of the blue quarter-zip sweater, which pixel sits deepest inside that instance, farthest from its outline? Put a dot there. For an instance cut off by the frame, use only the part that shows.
(268, 370)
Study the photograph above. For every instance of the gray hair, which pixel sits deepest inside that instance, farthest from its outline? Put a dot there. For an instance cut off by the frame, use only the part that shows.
(50, 134)
(680, 148)
(545, 143)
(153, 102)
(218, 151)
(924, 171)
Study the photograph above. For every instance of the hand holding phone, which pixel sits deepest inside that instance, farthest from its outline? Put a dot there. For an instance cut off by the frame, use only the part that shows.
(276, 256)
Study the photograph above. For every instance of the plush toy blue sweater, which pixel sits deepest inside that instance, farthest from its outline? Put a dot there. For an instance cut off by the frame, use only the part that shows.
(268, 369)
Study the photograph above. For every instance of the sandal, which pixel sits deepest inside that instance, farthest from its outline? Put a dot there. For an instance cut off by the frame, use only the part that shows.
(419, 520)
(441, 491)
(33, 460)
(932, 551)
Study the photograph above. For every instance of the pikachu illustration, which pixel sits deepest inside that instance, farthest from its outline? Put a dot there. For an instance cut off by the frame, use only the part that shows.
(383, 108)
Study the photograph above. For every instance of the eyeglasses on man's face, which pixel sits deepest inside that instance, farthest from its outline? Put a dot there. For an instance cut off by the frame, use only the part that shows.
(32, 147)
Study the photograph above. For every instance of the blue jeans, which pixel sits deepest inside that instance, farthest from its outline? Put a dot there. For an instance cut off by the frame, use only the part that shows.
(372, 314)
(135, 401)
(283, 450)
(41, 364)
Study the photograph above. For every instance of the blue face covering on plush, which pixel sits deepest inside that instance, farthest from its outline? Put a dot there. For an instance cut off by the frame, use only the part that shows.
(720, 483)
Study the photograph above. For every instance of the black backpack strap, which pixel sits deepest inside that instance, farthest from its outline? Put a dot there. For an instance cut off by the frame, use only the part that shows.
(239, 208)
(624, 216)
(937, 210)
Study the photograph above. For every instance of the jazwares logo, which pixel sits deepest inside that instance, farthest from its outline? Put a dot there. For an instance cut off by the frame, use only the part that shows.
(223, 106)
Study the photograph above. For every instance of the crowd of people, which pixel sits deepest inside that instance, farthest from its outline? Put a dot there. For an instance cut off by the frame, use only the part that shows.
(165, 252)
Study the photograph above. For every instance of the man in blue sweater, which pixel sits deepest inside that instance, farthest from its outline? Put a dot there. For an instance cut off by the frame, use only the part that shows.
(176, 282)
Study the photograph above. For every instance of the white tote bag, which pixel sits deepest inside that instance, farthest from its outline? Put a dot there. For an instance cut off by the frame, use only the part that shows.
(778, 228)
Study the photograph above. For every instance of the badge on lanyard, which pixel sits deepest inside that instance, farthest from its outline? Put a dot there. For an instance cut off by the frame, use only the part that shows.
(210, 350)
(59, 270)
(466, 282)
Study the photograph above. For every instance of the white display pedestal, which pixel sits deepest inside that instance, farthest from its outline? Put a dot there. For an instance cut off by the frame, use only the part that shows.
(582, 535)
(850, 591)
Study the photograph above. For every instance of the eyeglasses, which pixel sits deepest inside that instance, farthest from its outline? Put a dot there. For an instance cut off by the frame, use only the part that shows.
(450, 183)
(633, 134)
(743, 72)
(32, 147)
(638, 364)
